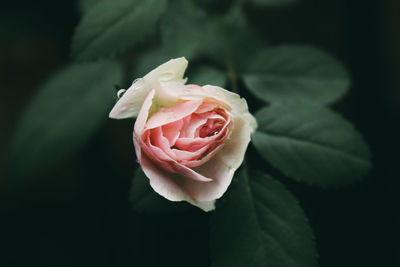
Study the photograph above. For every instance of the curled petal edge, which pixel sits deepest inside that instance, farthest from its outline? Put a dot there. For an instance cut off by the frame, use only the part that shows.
(129, 105)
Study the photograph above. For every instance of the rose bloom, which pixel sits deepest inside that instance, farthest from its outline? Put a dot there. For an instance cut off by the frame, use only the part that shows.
(189, 139)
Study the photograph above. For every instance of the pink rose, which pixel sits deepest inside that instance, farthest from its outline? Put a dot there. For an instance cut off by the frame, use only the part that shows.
(189, 140)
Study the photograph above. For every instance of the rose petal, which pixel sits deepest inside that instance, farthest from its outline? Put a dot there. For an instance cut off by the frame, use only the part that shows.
(191, 144)
(238, 104)
(162, 158)
(130, 103)
(167, 185)
(192, 125)
(205, 107)
(159, 140)
(144, 113)
(171, 131)
(173, 113)
(222, 166)
(207, 157)
(183, 155)
(162, 182)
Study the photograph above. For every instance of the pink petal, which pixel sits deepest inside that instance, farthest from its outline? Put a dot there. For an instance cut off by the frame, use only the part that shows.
(183, 155)
(222, 166)
(191, 144)
(160, 162)
(144, 113)
(207, 157)
(174, 167)
(173, 113)
(158, 140)
(171, 131)
(205, 107)
(238, 104)
(191, 126)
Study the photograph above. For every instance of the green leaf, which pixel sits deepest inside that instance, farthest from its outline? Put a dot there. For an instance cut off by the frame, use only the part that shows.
(66, 111)
(296, 74)
(311, 144)
(85, 5)
(145, 200)
(274, 3)
(260, 224)
(146, 61)
(186, 30)
(204, 75)
(111, 27)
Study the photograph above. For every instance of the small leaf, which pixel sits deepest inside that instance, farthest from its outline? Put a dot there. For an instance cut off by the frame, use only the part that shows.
(111, 27)
(66, 111)
(260, 224)
(204, 75)
(186, 29)
(145, 200)
(296, 74)
(311, 144)
(274, 3)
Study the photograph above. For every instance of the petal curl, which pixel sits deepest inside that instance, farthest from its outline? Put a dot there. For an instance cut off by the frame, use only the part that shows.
(238, 104)
(129, 105)
(167, 185)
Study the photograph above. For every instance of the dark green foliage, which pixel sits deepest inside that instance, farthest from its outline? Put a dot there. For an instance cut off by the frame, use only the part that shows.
(311, 144)
(86, 5)
(66, 111)
(111, 27)
(260, 224)
(204, 75)
(147, 60)
(186, 30)
(296, 74)
(274, 3)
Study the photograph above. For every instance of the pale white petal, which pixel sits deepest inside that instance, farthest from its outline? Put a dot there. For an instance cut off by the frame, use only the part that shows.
(129, 105)
(166, 185)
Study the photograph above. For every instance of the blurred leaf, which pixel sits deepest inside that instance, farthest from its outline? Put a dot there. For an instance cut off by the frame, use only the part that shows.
(86, 5)
(204, 75)
(111, 27)
(146, 61)
(261, 224)
(297, 74)
(311, 144)
(244, 46)
(66, 111)
(274, 3)
(186, 29)
(144, 199)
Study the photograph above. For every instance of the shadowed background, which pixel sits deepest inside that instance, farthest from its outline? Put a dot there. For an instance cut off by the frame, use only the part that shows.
(78, 213)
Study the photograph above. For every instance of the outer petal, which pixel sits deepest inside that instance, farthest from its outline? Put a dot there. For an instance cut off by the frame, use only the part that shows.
(222, 166)
(144, 114)
(167, 185)
(130, 103)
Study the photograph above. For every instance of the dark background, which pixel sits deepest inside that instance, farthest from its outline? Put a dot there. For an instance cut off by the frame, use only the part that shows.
(78, 213)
